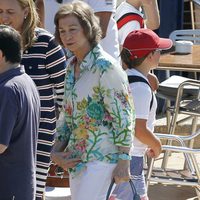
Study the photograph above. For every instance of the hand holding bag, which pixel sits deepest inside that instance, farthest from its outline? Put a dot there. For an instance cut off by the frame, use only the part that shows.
(136, 196)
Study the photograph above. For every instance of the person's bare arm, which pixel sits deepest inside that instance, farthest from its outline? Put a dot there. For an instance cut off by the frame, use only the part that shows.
(41, 12)
(104, 18)
(2, 148)
(152, 16)
(143, 134)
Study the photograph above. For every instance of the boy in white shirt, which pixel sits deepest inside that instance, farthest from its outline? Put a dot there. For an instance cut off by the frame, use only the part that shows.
(141, 53)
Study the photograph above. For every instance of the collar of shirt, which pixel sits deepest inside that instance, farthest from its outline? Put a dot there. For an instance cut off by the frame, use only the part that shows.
(11, 72)
(89, 59)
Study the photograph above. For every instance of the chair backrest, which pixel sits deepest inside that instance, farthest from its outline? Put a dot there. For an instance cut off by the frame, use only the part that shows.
(196, 1)
(187, 34)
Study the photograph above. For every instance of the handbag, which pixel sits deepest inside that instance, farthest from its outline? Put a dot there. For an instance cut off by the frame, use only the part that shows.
(136, 196)
(57, 178)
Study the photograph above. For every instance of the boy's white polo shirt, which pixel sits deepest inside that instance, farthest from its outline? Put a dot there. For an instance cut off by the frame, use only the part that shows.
(142, 95)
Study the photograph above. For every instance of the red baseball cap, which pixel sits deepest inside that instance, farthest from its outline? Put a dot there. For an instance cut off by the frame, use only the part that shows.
(143, 41)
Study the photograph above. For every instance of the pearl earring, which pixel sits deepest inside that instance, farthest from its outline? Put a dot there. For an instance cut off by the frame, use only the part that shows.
(24, 17)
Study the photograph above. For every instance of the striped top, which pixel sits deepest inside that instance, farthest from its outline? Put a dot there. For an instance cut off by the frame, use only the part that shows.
(45, 62)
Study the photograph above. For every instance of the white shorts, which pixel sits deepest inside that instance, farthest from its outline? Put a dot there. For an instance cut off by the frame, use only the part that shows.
(92, 183)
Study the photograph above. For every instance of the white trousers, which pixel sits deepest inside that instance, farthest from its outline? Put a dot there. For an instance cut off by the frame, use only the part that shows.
(93, 183)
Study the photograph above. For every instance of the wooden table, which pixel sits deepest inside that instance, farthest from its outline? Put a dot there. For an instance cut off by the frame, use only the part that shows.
(178, 62)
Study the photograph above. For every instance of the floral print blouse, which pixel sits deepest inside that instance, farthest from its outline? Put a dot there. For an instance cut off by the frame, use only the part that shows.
(98, 114)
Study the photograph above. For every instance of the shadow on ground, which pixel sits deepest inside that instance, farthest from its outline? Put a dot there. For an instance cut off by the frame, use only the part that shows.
(169, 192)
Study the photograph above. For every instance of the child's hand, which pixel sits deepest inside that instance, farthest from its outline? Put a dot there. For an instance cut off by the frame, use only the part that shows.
(150, 153)
(154, 153)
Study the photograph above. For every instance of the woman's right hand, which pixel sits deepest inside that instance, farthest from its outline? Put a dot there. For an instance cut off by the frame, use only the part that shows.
(62, 159)
(122, 171)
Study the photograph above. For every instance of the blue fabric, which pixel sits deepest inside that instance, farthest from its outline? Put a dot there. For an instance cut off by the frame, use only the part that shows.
(19, 121)
(171, 16)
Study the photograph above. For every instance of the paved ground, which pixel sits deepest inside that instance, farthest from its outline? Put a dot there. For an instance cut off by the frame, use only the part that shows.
(172, 192)
(161, 192)
(169, 192)
(156, 191)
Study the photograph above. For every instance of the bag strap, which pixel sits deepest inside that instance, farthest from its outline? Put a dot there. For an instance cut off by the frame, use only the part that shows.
(133, 79)
(111, 186)
(130, 17)
(110, 189)
(59, 1)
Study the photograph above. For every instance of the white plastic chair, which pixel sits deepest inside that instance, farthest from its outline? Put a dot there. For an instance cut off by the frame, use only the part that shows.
(192, 35)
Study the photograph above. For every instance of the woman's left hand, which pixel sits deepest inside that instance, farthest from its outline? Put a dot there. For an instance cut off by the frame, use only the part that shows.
(122, 171)
(62, 159)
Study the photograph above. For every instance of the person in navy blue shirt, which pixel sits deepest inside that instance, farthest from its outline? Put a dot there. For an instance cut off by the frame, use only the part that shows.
(19, 121)
(45, 62)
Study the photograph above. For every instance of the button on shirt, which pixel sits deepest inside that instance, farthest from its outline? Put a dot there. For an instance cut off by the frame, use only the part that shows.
(98, 112)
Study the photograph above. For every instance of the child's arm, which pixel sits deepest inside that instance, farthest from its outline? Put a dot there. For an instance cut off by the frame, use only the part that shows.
(147, 137)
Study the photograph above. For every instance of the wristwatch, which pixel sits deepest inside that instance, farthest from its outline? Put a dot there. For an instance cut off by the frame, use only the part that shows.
(124, 156)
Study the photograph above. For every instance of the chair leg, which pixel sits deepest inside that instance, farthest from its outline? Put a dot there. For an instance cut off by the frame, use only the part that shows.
(191, 142)
(192, 14)
(168, 118)
(149, 172)
(171, 131)
(168, 115)
(197, 170)
(197, 189)
(194, 128)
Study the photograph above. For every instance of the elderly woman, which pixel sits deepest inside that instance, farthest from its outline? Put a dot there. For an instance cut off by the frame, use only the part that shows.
(45, 62)
(97, 114)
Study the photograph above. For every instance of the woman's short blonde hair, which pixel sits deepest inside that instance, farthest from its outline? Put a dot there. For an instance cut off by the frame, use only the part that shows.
(86, 17)
(30, 23)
